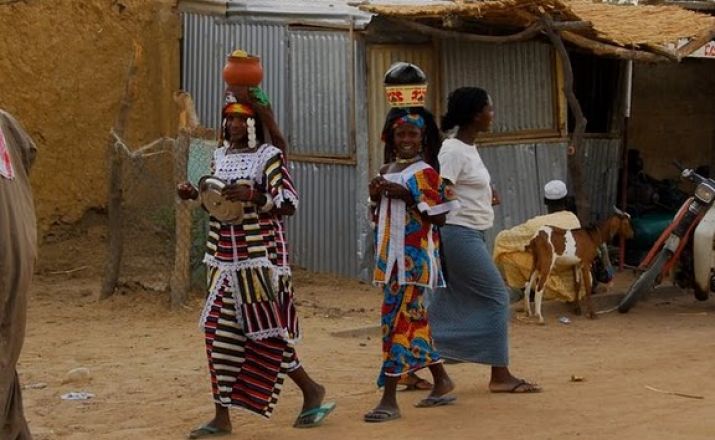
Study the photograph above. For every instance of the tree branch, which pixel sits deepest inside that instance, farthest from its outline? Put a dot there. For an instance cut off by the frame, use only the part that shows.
(610, 50)
(530, 32)
(575, 156)
(114, 159)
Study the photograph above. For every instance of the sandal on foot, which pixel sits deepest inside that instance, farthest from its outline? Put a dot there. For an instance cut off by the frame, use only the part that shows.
(433, 401)
(521, 387)
(314, 416)
(208, 431)
(381, 415)
(414, 383)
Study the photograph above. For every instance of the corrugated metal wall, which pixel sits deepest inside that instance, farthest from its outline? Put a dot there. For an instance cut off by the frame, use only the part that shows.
(514, 174)
(364, 239)
(550, 164)
(519, 173)
(519, 77)
(323, 235)
(602, 166)
(206, 43)
(513, 169)
(320, 85)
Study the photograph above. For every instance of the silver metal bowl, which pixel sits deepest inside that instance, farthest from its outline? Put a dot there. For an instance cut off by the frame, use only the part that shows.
(216, 204)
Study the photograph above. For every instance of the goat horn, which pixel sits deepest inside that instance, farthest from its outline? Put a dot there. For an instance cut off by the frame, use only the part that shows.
(619, 212)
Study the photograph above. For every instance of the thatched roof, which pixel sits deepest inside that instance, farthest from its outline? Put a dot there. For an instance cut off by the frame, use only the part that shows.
(614, 29)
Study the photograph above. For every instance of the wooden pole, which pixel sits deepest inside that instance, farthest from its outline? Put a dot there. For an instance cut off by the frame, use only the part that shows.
(575, 157)
(189, 127)
(114, 158)
(181, 278)
(628, 100)
(527, 34)
(610, 50)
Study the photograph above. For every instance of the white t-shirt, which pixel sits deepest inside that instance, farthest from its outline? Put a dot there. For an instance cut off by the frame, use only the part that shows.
(461, 164)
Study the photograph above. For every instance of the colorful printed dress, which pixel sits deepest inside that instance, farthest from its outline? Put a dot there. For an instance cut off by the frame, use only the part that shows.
(249, 317)
(407, 263)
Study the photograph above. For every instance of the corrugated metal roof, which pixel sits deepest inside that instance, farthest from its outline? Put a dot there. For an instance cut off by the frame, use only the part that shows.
(317, 11)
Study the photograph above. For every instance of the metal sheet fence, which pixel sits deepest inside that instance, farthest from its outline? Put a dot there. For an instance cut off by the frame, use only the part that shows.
(519, 77)
(320, 93)
(602, 167)
(323, 234)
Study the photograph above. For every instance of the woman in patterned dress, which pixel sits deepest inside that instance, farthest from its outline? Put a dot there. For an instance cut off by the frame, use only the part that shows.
(249, 317)
(409, 197)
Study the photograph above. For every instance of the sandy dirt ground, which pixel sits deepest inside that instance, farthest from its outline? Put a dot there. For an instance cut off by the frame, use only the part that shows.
(150, 379)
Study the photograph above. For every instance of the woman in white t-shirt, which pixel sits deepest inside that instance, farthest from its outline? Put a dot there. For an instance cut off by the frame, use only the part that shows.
(470, 317)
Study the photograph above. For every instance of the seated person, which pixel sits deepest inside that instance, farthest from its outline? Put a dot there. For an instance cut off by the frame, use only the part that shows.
(516, 264)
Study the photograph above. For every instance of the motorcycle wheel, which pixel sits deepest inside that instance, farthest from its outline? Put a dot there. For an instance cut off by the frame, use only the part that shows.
(644, 283)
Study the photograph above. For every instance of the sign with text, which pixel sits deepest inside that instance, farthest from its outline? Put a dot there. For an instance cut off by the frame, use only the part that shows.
(707, 51)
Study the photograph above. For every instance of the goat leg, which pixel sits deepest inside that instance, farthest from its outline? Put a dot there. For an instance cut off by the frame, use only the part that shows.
(527, 294)
(539, 296)
(537, 303)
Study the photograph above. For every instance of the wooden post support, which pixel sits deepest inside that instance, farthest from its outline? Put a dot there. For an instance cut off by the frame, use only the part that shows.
(114, 205)
(181, 278)
(527, 34)
(575, 157)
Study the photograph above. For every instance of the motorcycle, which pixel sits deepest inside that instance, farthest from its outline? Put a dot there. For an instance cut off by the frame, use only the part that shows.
(694, 223)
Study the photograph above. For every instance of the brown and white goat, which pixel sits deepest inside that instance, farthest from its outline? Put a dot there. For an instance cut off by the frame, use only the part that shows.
(576, 248)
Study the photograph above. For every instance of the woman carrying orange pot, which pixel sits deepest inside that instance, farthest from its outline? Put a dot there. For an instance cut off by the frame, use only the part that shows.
(249, 318)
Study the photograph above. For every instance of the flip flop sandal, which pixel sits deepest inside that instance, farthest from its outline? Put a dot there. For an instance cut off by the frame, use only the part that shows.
(381, 415)
(433, 401)
(526, 387)
(314, 416)
(208, 431)
(414, 383)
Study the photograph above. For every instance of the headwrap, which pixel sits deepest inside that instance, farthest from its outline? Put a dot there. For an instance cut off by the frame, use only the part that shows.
(237, 107)
(421, 118)
(412, 119)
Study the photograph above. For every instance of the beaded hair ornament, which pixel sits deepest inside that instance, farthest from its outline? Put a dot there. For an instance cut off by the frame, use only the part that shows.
(232, 106)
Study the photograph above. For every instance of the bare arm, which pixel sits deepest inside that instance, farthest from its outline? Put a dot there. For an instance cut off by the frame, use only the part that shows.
(287, 209)
(437, 220)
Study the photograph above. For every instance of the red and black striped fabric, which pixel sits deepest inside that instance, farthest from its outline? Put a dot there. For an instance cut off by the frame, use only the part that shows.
(245, 373)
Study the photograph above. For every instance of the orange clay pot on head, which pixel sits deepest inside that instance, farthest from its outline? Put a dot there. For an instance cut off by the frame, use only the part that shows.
(242, 69)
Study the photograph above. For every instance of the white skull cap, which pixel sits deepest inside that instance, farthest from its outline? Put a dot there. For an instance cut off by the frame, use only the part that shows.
(555, 190)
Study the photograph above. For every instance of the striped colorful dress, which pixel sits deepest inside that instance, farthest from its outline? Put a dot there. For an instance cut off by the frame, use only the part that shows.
(249, 317)
(406, 264)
